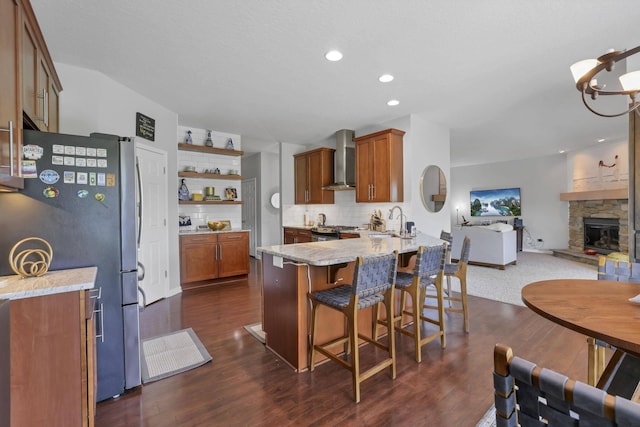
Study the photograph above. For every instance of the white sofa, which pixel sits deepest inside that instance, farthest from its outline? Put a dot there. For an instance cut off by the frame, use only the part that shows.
(491, 245)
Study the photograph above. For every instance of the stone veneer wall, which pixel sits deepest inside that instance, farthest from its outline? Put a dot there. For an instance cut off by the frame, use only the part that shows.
(613, 208)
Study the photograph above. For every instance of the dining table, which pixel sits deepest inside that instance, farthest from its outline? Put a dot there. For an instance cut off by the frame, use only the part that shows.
(599, 309)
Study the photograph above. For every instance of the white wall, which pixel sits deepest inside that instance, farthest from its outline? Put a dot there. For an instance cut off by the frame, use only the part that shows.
(541, 181)
(428, 145)
(586, 173)
(270, 220)
(92, 102)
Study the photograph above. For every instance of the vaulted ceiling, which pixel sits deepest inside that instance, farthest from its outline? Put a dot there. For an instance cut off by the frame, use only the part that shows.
(495, 72)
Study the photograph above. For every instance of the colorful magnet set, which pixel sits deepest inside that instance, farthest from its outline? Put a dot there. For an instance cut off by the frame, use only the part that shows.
(89, 160)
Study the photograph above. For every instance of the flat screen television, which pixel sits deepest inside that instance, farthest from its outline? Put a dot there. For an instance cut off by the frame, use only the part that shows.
(499, 202)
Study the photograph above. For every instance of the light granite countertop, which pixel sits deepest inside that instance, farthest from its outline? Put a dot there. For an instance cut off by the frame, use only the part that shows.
(53, 282)
(346, 250)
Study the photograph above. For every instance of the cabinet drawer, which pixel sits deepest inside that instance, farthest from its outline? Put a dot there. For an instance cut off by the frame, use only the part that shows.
(199, 238)
(225, 237)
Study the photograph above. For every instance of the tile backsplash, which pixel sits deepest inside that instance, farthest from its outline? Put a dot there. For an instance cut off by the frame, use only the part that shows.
(345, 211)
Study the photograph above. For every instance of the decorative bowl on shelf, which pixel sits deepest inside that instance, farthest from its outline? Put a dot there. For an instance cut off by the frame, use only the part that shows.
(216, 225)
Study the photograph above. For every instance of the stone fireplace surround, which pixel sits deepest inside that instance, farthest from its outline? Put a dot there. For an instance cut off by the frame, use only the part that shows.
(609, 208)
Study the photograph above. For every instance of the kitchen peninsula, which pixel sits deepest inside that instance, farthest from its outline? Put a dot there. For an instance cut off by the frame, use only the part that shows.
(289, 272)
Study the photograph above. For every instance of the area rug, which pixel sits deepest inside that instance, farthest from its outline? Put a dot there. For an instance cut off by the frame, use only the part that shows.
(171, 354)
(256, 331)
(488, 419)
(506, 285)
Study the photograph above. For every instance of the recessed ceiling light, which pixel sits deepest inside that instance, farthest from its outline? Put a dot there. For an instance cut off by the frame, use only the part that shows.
(601, 140)
(562, 151)
(333, 55)
(385, 78)
(393, 103)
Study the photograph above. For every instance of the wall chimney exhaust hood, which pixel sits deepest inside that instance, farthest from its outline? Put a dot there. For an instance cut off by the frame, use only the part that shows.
(344, 162)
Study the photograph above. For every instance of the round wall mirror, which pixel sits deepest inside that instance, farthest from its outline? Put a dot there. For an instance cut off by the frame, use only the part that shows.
(433, 188)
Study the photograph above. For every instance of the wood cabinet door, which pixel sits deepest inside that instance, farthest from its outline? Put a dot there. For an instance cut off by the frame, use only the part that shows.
(10, 98)
(42, 94)
(301, 179)
(304, 236)
(364, 171)
(289, 236)
(198, 259)
(46, 360)
(53, 103)
(320, 166)
(381, 169)
(233, 254)
(29, 73)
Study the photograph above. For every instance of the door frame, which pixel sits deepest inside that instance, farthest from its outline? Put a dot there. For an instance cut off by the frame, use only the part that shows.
(253, 236)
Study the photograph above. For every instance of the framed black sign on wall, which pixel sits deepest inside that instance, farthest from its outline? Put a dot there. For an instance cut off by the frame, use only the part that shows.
(145, 127)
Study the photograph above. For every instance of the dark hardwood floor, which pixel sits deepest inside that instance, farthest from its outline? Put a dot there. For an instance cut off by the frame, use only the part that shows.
(247, 385)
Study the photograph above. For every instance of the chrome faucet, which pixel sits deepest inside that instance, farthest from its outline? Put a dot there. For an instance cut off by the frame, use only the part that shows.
(401, 231)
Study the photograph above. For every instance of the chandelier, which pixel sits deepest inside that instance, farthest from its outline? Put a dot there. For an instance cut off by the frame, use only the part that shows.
(585, 73)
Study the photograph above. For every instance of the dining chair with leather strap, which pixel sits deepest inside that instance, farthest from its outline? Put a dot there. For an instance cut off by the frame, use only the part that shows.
(428, 271)
(608, 269)
(373, 283)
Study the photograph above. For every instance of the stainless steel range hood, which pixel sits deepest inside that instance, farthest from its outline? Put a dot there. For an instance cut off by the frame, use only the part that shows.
(344, 172)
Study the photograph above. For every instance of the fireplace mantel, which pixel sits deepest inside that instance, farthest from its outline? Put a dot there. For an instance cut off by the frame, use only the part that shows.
(620, 193)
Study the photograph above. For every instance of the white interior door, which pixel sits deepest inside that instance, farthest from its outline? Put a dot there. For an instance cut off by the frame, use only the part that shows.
(152, 200)
(249, 221)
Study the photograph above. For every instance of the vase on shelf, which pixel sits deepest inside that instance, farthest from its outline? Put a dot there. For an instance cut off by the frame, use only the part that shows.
(183, 191)
(188, 139)
(209, 141)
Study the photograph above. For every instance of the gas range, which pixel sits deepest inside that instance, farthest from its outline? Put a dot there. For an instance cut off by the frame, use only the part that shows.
(329, 232)
(333, 228)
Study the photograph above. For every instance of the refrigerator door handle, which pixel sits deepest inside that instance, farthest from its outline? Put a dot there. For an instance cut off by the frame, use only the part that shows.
(141, 271)
(144, 297)
(141, 274)
(140, 198)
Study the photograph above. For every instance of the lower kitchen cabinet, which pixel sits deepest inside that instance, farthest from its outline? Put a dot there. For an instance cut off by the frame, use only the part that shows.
(213, 256)
(52, 373)
(296, 235)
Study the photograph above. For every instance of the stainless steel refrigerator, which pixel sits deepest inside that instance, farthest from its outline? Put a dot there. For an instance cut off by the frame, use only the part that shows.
(80, 196)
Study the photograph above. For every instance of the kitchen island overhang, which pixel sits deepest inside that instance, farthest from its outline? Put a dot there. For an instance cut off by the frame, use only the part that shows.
(290, 272)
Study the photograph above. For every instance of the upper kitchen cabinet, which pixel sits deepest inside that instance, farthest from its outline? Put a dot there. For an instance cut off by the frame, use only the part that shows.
(40, 83)
(313, 170)
(379, 172)
(29, 86)
(10, 101)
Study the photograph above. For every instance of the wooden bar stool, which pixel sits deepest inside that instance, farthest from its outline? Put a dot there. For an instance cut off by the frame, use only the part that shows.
(373, 283)
(428, 271)
(459, 271)
(447, 237)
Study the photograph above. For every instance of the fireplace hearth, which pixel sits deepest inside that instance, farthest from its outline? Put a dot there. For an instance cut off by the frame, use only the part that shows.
(602, 234)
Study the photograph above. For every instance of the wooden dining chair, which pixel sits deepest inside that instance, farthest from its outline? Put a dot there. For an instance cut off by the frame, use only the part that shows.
(373, 283)
(428, 270)
(528, 395)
